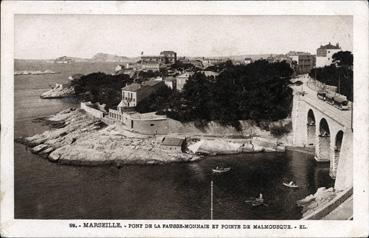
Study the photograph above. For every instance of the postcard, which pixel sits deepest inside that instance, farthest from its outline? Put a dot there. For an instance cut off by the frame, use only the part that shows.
(184, 119)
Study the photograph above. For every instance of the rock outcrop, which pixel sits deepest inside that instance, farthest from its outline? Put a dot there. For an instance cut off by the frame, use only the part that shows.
(226, 146)
(84, 140)
(59, 91)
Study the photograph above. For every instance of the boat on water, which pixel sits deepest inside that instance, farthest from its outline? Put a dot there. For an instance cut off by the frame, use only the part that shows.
(219, 170)
(291, 185)
(257, 202)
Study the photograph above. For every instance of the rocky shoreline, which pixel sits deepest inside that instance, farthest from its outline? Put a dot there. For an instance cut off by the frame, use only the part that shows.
(78, 138)
(81, 139)
(58, 91)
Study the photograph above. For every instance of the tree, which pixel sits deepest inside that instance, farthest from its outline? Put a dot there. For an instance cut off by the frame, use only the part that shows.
(157, 101)
(197, 94)
(343, 58)
(257, 91)
(101, 87)
(341, 77)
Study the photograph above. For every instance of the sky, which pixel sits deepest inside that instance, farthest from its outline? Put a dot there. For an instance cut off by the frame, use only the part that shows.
(51, 36)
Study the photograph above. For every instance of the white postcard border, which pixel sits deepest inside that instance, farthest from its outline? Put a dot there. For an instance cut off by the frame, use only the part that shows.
(60, 228)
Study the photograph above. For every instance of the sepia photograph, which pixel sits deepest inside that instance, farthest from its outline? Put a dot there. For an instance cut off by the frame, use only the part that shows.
(209, 122)
(183, 117)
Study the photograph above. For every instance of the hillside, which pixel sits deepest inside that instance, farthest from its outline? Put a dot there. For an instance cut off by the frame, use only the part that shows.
(103, 57)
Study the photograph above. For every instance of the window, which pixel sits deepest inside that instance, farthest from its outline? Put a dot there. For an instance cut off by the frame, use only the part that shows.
(151, 124)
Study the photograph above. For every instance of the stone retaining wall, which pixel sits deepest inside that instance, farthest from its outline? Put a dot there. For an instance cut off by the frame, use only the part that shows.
(87, 106)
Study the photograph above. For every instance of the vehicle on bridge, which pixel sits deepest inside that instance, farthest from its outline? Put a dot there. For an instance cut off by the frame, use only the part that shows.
(329, 98)
(341, 102)
(337, 100)
(322, 95)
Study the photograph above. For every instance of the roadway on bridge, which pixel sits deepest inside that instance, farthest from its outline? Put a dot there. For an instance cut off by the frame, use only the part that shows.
(310, 96)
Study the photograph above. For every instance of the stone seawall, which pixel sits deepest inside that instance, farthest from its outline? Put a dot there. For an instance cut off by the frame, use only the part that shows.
(87, 106)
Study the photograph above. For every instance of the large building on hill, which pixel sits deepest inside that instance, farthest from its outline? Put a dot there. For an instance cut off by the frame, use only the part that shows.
(170, 57)
(153, 59)
(165, 57)
(324, 54)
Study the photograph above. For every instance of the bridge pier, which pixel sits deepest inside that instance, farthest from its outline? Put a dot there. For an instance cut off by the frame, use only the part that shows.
(344, 168)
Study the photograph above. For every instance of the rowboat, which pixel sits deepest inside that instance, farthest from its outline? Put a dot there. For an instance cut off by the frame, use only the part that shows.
(221, 170)
(256, 202)
(290, 185)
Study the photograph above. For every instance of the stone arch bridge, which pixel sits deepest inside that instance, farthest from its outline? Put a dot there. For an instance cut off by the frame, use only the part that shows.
(319, 125)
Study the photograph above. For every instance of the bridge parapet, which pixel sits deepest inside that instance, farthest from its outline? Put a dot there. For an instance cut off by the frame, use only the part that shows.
(339, 116)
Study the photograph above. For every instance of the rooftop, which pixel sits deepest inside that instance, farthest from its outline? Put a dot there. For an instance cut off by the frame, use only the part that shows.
(186, 74)
(151, 83)
(296, 53)
(170, 78)
(146, 116)
(132, 87)
(209, 73)
(167, 52)
(172, 141)
(330, 46)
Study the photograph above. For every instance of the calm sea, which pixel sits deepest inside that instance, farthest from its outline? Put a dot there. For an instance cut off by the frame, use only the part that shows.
(45, 190)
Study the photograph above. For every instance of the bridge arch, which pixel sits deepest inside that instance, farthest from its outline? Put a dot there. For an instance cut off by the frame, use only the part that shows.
(337, 152)
(311, 128)
(324, 140)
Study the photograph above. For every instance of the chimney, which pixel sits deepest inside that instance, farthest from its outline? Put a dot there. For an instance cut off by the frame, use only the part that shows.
(337, 45)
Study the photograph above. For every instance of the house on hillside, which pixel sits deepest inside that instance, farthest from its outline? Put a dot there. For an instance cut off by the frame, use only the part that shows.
(129, 69)
(247, 61)
(210, 74)
(134, 93)
(182, 79)
(171, 82)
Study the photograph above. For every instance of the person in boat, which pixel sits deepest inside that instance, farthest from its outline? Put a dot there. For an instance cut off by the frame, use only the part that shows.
(292, 183)
(260, 198)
